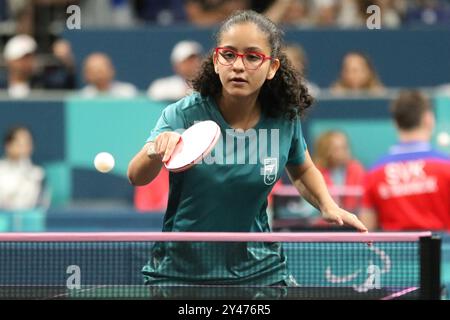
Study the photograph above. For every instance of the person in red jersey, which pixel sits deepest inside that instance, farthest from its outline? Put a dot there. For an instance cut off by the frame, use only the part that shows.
(409, 188)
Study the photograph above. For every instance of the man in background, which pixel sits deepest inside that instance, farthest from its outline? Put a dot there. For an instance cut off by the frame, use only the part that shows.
(19, 55)
(99, 73)
(409, 188)
(186, 60)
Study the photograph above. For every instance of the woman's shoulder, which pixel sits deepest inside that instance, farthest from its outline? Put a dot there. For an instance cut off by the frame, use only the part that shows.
(284, 121)
(192, 101)
(190, 108)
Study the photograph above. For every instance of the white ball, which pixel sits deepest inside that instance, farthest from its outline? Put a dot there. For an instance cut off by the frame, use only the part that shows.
(443, 139)
(104, 162)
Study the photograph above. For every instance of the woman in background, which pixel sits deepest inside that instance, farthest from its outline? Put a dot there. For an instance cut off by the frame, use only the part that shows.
(342, 173)
(358, 75)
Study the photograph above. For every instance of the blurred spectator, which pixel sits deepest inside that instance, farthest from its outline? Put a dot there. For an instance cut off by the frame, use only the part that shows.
(297, 57)
(297, 14)
(207, 13)
(60, 71)
(358, 75)
(391, 11)
(107, 13)
(428, 12)
(289, 12)
(409, 188)
(24, 72)
(353, 13)
(19, 54)
(122, 13)
(186, 60)
(34, 17)
(161, 12)
(21, 182)
(99, 73)
(343, 175)
(324, 13)
(329, 13)
(21, 12)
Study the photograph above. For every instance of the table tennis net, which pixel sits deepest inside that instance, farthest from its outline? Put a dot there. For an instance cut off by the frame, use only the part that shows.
(216, 266)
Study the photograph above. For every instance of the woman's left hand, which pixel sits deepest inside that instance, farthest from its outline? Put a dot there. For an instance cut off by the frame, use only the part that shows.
(340, 217)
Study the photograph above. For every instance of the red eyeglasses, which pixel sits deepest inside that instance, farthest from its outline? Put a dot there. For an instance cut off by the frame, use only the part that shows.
(251, 60)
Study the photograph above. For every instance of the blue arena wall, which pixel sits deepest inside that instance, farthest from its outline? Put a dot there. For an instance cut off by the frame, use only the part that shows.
(403, 58)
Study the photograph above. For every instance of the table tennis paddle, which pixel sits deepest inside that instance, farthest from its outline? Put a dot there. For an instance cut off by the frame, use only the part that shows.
(195, 144)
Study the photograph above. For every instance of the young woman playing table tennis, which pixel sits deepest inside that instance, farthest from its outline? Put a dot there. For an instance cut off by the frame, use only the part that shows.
(246, 84)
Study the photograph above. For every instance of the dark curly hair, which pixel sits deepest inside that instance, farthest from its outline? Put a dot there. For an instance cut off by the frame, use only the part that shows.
(285, 95)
